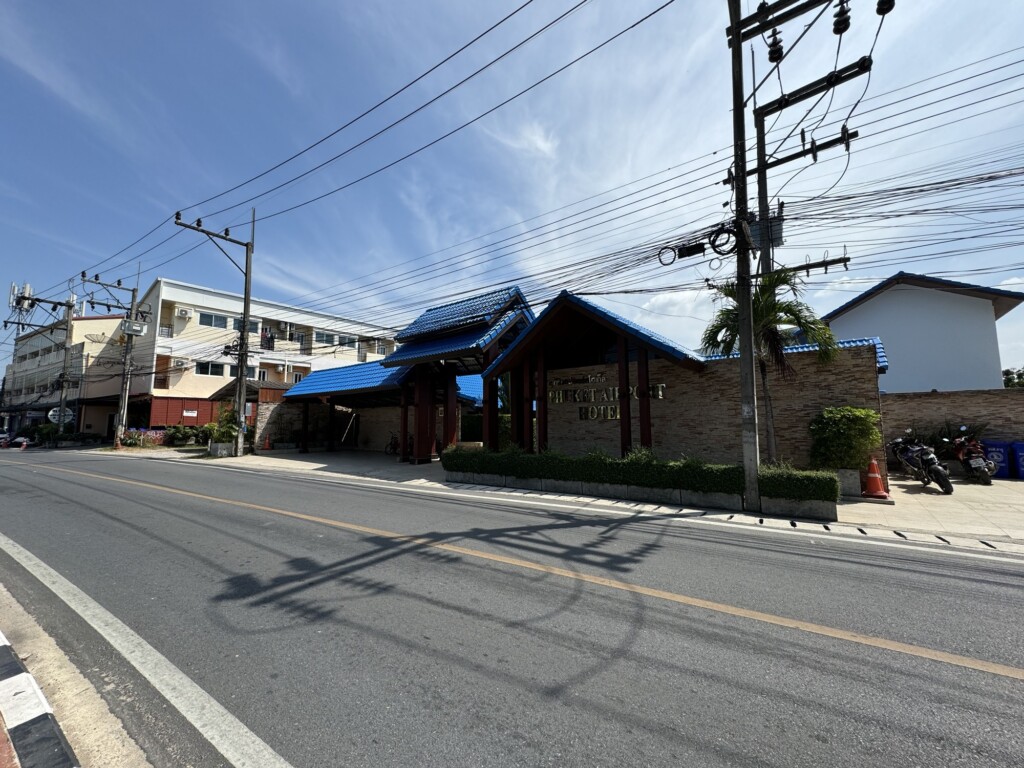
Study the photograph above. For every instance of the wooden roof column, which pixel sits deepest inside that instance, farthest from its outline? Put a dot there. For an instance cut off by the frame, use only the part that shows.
(423, 440)
(451, 390)
(625, 422)
(542, 402)
(403, 427)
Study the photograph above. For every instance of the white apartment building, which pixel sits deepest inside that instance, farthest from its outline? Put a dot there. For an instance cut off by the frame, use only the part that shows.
(185, 356)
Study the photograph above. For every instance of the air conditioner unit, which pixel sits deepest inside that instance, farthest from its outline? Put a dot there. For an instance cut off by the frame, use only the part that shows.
(180, 362)
(280, 369)
(184, 312)
(282, 326)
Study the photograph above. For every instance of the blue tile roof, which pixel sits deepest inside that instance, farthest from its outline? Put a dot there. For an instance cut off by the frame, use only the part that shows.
(469, 342)
(471, 387)
(450, 317)
(873, 341)
(365, 377)
(664, 346)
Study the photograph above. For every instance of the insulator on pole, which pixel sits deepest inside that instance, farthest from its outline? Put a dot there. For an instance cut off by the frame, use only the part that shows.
(884, 6)
(841, 17)
(775, 52)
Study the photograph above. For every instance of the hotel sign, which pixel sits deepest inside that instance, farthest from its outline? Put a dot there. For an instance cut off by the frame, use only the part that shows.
(594, 402)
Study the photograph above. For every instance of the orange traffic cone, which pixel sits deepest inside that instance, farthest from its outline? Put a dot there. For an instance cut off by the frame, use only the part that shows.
(875, 489)
(266, 442)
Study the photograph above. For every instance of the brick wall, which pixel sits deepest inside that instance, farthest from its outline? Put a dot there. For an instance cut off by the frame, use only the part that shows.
(698, 414)
(1001, 409)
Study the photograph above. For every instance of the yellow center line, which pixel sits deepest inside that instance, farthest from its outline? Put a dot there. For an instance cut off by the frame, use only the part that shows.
(872, 641)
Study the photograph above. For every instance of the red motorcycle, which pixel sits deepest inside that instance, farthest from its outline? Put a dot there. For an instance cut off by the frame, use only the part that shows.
(971, 454)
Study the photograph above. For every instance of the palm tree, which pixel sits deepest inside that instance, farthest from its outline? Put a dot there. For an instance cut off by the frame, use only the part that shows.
(778, 316)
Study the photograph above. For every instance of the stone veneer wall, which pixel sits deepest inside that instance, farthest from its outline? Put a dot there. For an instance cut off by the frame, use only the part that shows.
(1001, 409)
(282, 423)
(699, 413)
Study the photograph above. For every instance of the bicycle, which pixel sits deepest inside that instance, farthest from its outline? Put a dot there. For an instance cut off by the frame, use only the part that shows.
(391, 447)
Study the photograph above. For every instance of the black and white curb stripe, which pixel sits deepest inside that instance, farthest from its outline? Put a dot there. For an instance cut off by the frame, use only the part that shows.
(37, 739)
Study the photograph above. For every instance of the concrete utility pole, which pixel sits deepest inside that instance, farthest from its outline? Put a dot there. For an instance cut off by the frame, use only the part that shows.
(748, 394)
(243, 338)
(126, 373)
(130, 328)
(69, 312)
(767, 17)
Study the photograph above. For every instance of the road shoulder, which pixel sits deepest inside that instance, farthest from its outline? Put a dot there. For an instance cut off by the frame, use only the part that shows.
(96, 736)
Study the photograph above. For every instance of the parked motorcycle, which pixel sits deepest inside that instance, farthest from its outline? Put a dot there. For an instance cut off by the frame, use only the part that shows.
(919, 461)
(971, 454)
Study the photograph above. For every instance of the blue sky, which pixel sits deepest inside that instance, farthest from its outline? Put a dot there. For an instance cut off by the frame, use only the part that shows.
(119, 113)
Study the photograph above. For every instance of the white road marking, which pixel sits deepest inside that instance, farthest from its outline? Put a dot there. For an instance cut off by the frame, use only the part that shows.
(671, 514)
(600, 506)
(225, 732)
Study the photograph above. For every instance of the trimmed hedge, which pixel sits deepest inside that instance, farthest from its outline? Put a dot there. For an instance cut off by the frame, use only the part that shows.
(639, 469)
(642, 469)
(798, 484)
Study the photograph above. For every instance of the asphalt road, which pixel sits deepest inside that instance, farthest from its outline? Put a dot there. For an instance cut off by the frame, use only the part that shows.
(349, 623)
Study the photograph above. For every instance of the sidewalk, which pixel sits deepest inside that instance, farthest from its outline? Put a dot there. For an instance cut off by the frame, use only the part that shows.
(994, 512)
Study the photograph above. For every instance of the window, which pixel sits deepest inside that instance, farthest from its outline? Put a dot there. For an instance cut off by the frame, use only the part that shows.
(213, 321)
(166, 331)
(382, 348)
(322, 337)
(254, 325)
(296, 378)
(348, 341)
(250, 372)
(210, 369)
(263, 374)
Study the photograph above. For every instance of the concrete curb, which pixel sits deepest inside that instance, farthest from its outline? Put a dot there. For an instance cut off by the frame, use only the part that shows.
(37, 739)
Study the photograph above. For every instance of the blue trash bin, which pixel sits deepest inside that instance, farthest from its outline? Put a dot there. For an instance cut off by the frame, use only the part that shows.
(1018, 463)
(998, 454)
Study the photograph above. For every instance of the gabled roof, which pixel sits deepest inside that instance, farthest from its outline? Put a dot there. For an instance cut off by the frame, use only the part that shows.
(881, 360)
(476, 310)
(350, 379)
(468, 343)
(1002, 301)
(653, 341)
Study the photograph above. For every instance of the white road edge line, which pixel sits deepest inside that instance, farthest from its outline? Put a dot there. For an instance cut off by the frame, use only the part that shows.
(228, 735)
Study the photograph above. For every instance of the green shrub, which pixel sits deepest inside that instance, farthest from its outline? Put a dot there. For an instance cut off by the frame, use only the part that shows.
(46, 433)
(844, 438)
(226, 427)
(639, 468)
(783, 482)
